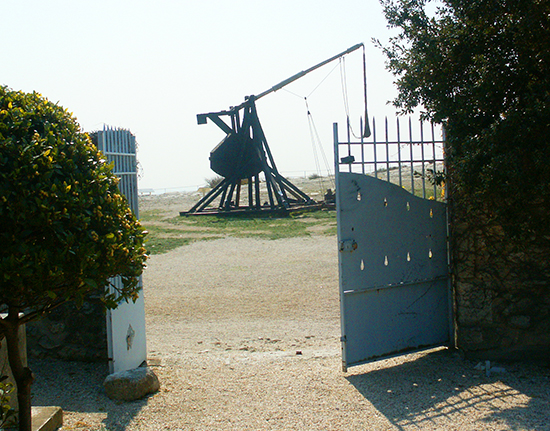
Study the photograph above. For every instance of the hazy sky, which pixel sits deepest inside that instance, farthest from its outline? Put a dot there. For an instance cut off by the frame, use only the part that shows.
(151, 66)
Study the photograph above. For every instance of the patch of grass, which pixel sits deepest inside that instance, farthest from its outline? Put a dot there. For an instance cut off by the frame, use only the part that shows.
(161, 245)
(162, 239)
(167, 234)
(331, 231)
(317, 215)
(244, 226)
(150, 215)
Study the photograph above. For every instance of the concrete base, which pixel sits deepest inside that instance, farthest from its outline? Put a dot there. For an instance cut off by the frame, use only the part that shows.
(46, 418)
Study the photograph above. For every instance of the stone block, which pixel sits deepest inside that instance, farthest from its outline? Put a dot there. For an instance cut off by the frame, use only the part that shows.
(470, 337)
(46, 418)
(132, 384)
(520, 322)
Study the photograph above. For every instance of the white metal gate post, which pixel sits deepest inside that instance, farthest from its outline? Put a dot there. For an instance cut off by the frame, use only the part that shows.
(126, 340)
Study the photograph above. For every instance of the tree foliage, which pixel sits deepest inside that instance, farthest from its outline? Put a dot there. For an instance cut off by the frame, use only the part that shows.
(482, 68)
(65, 226)
(66, 229)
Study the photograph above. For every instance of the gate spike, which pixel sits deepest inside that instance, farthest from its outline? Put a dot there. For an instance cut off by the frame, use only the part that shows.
(366, 132)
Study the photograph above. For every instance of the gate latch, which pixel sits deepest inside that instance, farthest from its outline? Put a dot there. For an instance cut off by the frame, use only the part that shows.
(347, 245)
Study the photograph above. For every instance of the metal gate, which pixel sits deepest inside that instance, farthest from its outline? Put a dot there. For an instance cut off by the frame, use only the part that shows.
(126, 340)
(392, 236)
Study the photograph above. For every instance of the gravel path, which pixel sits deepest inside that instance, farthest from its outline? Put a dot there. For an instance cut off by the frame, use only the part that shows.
(244, 335)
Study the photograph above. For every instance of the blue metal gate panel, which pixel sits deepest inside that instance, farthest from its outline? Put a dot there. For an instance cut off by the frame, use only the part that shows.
(393, 269)
(393, 263)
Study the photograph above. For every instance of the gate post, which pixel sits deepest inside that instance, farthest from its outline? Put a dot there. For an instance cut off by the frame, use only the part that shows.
(126, 341)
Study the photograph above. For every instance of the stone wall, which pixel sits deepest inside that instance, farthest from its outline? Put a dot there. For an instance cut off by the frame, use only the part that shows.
(70, 333)
(502, 291)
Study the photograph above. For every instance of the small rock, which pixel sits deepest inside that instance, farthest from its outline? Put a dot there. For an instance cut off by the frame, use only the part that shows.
(489, 369)
(479, 366)
(132, 384)
(50, 342)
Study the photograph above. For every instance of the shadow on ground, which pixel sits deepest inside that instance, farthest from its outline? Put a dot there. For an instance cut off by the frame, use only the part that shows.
(441, 387)
(78, 387)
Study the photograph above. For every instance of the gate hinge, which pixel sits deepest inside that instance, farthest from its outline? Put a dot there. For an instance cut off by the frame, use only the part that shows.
(347, 245)
(343, 339)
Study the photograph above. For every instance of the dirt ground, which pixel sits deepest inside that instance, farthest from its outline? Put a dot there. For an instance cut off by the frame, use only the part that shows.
(244, 335)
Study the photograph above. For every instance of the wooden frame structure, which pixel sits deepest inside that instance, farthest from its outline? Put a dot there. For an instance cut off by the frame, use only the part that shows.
(241, 158)
(244, 155)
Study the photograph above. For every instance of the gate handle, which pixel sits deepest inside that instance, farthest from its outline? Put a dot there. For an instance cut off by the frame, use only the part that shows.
(347, 245)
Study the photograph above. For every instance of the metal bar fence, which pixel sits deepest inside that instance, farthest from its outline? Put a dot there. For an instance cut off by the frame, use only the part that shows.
(414, 162)
(119, 146)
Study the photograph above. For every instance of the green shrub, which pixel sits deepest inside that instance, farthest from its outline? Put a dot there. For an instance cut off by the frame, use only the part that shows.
(66, 229)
